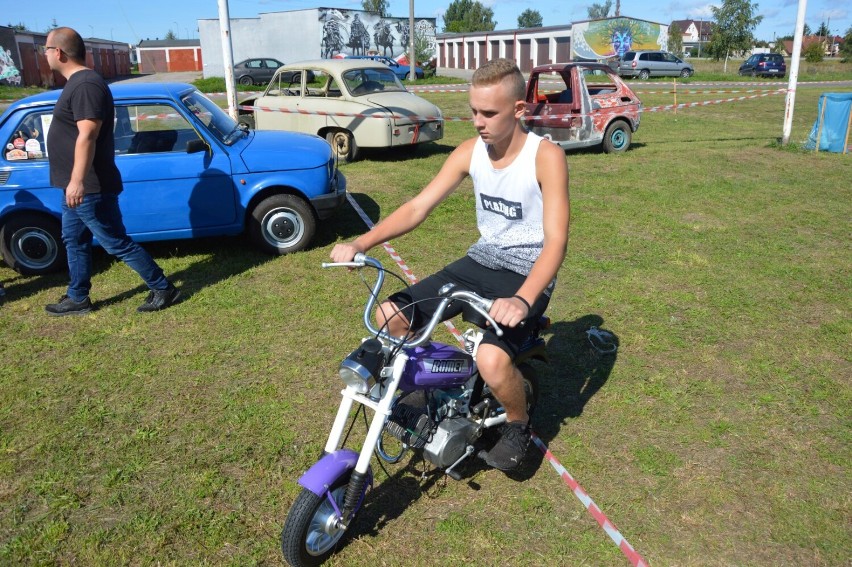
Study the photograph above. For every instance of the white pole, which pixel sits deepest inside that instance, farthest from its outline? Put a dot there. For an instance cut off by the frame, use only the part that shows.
(794, 73)
(412, 56)
(228, 57)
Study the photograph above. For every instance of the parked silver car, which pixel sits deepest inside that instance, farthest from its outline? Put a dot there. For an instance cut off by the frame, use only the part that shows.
(644, 64)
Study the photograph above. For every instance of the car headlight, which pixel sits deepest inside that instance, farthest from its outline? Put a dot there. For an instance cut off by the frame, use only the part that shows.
(361, 368)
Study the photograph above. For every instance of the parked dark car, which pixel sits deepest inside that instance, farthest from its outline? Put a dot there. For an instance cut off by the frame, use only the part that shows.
(256, 71)
(644, 64)
(188, 169)
(259, 71)
(764, 65)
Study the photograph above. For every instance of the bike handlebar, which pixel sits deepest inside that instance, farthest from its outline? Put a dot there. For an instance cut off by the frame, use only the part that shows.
(480, 304)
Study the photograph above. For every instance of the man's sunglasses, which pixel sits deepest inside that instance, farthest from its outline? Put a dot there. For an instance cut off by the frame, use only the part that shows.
(45, 48)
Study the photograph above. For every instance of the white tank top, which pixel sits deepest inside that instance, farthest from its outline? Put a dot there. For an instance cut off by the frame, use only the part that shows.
(509, 209)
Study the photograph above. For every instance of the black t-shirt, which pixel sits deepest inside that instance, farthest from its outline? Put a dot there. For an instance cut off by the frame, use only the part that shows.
(85, 97)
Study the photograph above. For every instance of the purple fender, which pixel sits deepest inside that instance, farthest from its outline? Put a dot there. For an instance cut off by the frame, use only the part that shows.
(328, 469)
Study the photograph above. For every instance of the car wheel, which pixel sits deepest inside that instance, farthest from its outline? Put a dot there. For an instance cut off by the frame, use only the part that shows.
(343, 145)
(282, 224)
(617, 137)
(246, 80)
(644, 74)
(686, 73)
(32, 244)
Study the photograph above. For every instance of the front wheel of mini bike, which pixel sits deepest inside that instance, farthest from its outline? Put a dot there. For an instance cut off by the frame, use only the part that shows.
(310, 534)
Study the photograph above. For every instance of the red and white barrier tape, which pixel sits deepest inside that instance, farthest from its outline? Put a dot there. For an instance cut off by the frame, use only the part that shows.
(610, 529)
(427, 89)
(707, 92)
(709, 102)
(415, 118)
(378, 114)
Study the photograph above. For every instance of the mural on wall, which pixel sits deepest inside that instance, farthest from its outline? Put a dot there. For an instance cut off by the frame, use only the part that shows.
(8, 72)
(613, 37)
(355, 32)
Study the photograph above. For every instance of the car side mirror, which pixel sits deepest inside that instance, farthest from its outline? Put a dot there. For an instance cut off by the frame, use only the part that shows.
(195, 146)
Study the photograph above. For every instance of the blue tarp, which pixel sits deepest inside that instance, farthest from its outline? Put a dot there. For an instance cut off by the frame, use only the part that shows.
(835, 123)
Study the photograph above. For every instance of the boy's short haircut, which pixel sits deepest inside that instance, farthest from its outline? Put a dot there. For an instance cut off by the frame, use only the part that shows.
(497, 70)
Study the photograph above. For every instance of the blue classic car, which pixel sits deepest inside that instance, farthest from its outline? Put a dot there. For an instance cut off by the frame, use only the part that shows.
(189, 171)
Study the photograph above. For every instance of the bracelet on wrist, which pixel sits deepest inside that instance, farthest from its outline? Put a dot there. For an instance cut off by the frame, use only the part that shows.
(524, 301)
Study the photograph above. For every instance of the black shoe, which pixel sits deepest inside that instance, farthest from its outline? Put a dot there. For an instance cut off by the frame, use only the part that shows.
(510, 450)
(68, 306)
(160, 299)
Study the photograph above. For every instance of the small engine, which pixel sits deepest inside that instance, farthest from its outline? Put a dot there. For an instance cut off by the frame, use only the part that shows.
(442, 443)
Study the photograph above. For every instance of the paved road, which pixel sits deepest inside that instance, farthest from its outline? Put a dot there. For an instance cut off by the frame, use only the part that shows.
(180, 77)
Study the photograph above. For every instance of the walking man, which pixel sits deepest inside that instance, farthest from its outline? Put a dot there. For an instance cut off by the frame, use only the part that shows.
(81, 150)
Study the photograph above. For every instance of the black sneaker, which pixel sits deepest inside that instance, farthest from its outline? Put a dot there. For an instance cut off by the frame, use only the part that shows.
(511, 449)
(160, 299)
(68, 306)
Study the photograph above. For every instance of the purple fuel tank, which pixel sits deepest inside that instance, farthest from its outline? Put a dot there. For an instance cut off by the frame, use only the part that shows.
(437, 365)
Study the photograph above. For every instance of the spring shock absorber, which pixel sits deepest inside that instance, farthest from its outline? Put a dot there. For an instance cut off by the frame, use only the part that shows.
(354, 493)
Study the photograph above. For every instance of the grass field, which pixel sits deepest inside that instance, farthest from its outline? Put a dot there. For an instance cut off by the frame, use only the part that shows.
(719, 434)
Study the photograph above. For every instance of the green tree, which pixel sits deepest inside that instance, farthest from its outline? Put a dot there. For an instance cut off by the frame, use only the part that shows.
(20, 26)
(807, 30)
(732, 28)
(822, 31)
(599, 11)
(846, 48)
(379, 7)
(529, 19)
(813, 52)
(468, 16)
(170, 35)
(675, 39)
(423, 50)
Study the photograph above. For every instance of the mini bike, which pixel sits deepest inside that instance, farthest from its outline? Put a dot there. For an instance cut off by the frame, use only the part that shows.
(427, 396)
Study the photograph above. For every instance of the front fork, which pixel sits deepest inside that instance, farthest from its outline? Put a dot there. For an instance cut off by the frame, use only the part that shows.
(337, 462)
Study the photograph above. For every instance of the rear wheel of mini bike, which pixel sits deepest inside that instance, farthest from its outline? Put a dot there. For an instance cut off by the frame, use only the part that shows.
(310, 534)
(530, 386)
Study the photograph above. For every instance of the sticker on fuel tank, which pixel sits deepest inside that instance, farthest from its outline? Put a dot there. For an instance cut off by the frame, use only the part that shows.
(447, 366)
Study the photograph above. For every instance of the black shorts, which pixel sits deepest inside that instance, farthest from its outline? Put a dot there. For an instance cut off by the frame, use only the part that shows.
(419, 301)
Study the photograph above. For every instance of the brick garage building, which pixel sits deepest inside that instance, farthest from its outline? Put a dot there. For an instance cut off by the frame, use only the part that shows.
(21, 63)
(169, 55)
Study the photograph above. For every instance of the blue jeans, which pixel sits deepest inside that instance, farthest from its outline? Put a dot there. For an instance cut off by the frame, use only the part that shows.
(99, 216)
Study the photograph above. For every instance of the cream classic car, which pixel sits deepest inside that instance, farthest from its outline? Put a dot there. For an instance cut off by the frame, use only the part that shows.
(353, 104)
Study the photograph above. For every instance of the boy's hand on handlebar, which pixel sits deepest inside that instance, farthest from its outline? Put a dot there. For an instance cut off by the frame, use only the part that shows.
(509, 311)
(344, 252)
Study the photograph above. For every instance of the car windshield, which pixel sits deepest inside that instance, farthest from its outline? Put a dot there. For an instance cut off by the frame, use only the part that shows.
(218, 123)
(367, 81)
